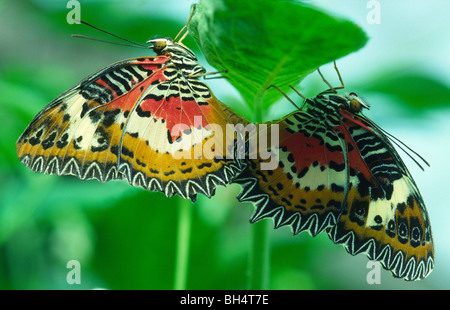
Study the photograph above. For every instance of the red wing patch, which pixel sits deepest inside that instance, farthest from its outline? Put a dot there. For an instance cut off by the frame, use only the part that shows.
(307, 188)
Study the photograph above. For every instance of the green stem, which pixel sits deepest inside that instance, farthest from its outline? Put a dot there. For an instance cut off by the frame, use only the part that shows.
(259, 258)
(182, 243)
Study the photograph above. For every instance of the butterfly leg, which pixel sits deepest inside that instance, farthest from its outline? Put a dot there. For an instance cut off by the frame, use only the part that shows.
(185, 27)
(287, 97)
(329, 85)
(198, 74)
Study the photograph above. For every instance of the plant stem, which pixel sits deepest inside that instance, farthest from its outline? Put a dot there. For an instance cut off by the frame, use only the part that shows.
(182, 243)
(259, 258)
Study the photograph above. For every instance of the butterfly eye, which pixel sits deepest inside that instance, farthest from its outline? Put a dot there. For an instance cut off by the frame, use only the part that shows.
(158, 45)
(355, 106)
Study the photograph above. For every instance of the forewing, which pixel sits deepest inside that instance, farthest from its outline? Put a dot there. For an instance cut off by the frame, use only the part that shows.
(79, 132)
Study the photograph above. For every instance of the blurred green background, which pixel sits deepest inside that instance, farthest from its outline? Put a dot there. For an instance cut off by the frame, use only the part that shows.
(124, 237)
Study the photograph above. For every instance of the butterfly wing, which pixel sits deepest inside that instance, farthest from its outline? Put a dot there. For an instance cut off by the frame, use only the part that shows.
(385, 216)
(180, 140)
(306, 189)
(114, 124)
(345, 178)
(79, 132)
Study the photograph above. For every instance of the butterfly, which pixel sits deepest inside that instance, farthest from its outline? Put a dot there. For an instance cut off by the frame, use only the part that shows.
(339, 172)
(148, 120)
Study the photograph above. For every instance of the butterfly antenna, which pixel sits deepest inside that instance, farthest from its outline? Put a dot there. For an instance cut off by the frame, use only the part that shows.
(110, 42)
(399, 144)
(109, 33)
(409, 155)
(286, 96)
(185, 26)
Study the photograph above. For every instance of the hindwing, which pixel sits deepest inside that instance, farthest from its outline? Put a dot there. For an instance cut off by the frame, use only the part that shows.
(306, 190)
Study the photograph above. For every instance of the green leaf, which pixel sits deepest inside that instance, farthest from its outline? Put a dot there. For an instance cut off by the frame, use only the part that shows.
(268, 42)
(417, 89)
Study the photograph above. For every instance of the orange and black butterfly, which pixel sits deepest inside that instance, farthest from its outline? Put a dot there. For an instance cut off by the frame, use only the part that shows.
(338, 172)
(148, 120)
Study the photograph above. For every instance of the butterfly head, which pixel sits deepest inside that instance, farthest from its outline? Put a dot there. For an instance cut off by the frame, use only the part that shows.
(329, 101)
(178, 52)
(354, 103)
(160, 45)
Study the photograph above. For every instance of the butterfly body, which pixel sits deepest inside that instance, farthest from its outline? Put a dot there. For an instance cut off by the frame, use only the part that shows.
(120, 123)
(339, 173)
